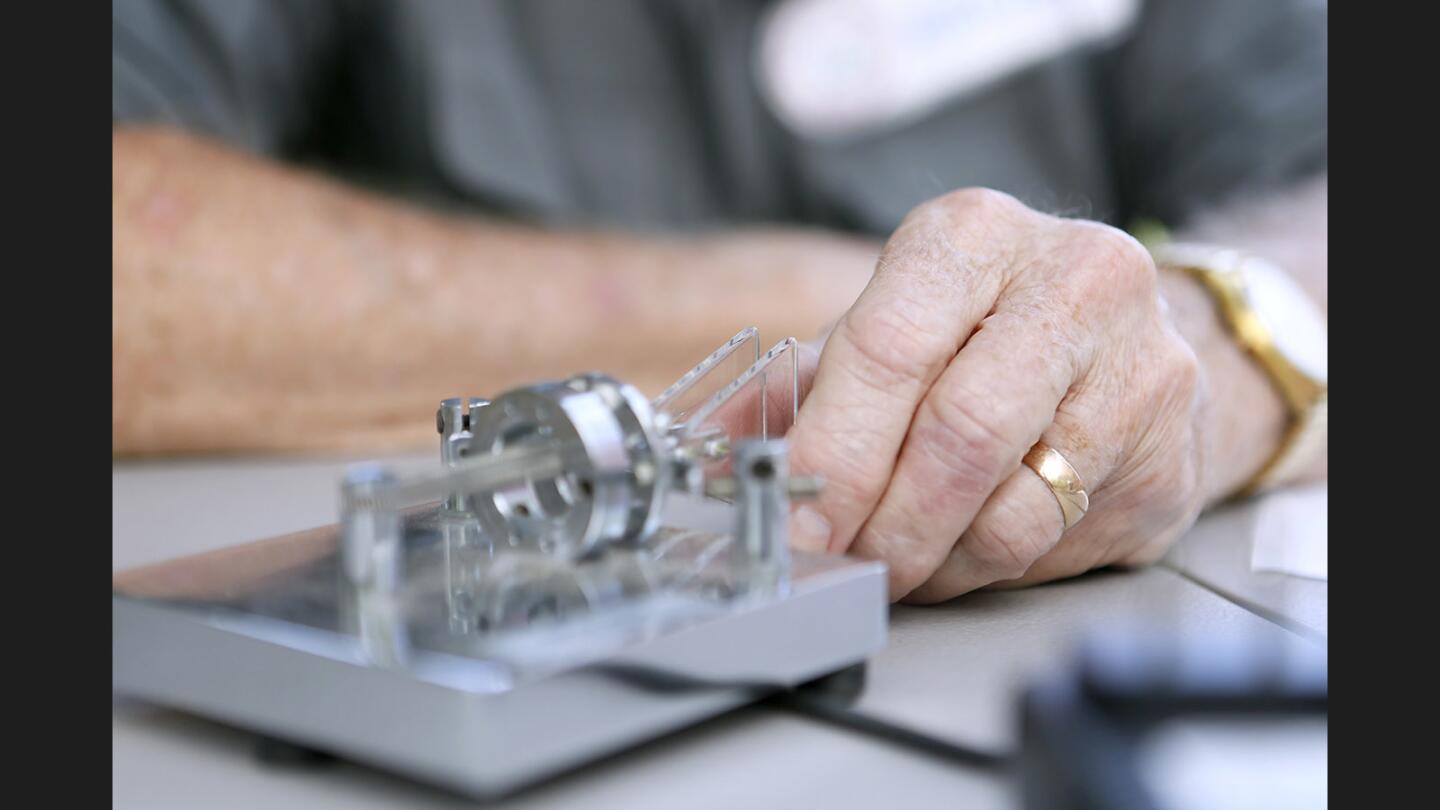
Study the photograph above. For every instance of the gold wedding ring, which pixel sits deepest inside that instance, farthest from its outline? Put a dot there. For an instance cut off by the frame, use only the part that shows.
(1064, 482)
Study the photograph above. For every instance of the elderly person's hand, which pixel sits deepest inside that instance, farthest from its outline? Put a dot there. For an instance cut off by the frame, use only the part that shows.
(988, 327)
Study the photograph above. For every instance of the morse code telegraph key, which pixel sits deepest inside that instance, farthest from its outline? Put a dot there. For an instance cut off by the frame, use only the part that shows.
(585, 569)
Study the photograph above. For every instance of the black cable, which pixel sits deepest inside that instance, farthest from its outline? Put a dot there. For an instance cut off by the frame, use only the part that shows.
(825, 699)
(845, 717)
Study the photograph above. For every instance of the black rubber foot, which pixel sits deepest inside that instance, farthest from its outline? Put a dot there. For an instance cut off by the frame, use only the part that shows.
(273, 751)
(842, 686)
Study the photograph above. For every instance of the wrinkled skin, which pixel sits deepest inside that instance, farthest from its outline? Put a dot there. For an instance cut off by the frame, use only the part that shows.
(988, 326)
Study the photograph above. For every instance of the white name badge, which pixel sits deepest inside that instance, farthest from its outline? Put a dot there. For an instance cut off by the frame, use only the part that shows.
(836, 68)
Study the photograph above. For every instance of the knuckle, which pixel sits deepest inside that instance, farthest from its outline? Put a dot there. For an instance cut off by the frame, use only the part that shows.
(908, 559)
(980, 200)
(846, 460)
(965, 238)
(1059, 330)
(954, 208)
(1007, 542)
(1113, 259)
(896, 551)
(894, 344)
(970, 448)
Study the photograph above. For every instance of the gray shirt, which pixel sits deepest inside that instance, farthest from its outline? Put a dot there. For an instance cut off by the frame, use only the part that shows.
(649, 114)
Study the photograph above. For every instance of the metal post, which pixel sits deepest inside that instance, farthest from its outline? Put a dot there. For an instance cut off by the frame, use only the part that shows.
(372, 558)
(453, 420)
(760, 554)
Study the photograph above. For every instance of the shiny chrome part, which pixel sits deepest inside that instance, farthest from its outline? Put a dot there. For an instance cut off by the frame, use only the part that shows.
(798, 487)
(372, 558)
(453, 421)
(760, 557)
(613, 474)
(466, 550)
(568, 468)
(476, 474)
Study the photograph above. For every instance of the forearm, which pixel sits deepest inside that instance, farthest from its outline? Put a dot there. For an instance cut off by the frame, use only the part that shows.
(256, 307)
(1246, 419)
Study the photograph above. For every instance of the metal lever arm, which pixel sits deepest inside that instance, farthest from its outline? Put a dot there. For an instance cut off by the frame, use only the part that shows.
(486, 473)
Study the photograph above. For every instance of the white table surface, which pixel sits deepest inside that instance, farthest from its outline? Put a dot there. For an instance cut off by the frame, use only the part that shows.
(1216, 554)
(953, 669)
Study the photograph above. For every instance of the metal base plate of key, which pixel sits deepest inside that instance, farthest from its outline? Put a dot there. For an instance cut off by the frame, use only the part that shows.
(584, 571)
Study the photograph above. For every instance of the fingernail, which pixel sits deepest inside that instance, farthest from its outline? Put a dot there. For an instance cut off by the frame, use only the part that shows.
(809, 530)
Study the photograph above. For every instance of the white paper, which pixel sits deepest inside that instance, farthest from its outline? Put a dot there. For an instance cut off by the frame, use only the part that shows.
(1292, 533)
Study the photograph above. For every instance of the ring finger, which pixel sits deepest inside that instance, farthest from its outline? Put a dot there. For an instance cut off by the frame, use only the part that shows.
(1020, 524)
(967, 436)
